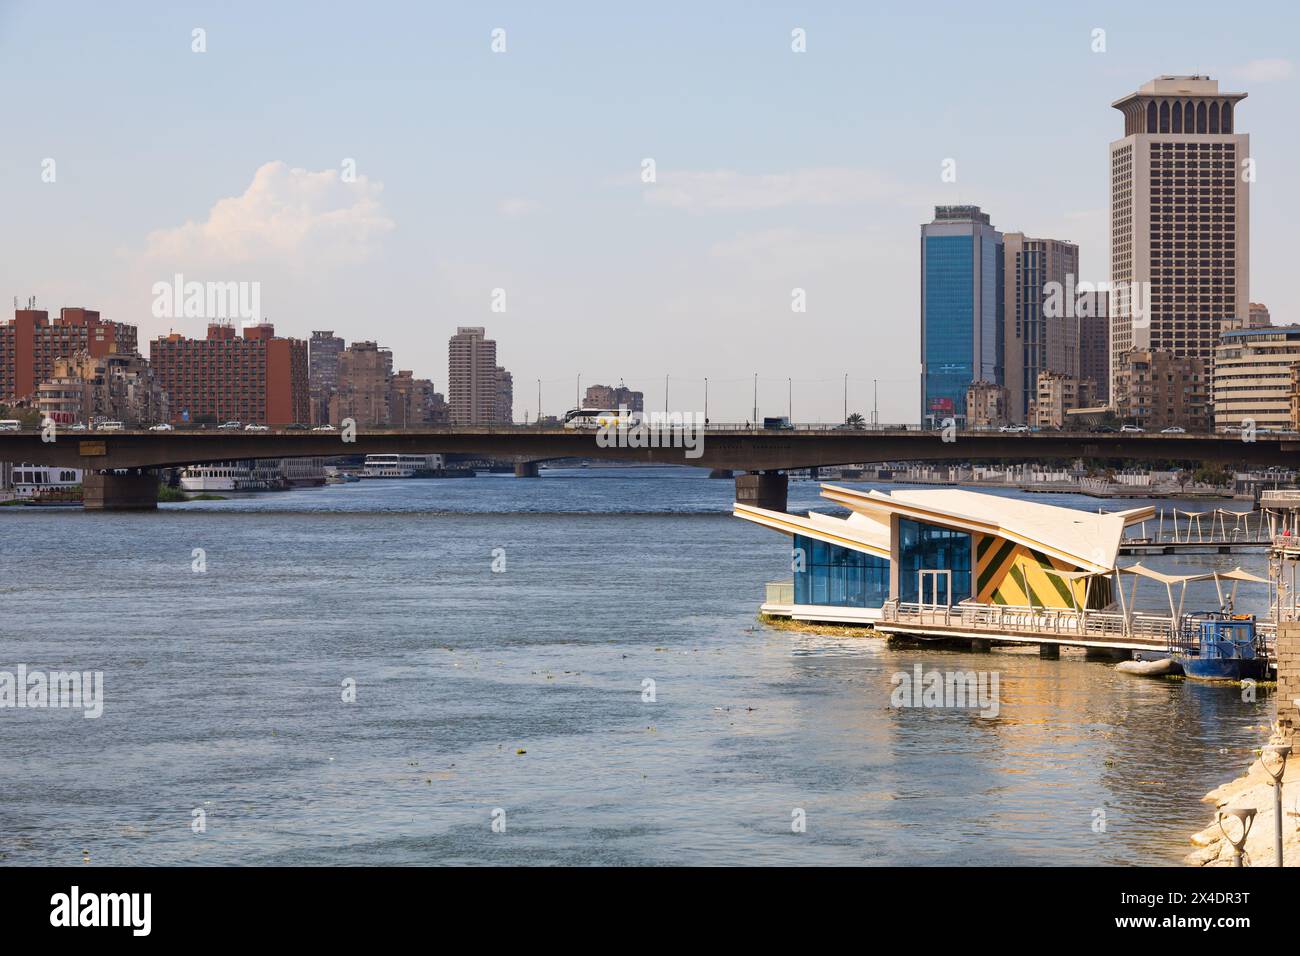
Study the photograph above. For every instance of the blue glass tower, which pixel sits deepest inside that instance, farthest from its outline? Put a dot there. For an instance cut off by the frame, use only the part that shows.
(961, 310)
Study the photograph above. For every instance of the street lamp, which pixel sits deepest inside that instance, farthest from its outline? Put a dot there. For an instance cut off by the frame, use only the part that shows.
(1279, 748)
(1246, 816)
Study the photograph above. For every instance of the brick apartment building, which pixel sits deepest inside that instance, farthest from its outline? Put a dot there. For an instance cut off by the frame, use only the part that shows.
(254, 378)
(30, 343)
(1156, 388)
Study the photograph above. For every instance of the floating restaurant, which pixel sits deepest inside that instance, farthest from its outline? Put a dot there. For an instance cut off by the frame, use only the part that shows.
(955, 564)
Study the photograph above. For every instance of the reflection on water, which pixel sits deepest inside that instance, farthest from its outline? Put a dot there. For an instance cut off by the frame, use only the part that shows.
(224, 694)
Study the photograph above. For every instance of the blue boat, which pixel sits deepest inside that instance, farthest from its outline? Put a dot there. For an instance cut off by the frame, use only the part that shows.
(1218, 645)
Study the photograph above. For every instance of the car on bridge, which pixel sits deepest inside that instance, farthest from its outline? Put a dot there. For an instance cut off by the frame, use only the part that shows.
(1014, 428)
(231, 426)
(256, 428)
(1131, 429)
(160, 427)
(1173, 430)
(324, 428)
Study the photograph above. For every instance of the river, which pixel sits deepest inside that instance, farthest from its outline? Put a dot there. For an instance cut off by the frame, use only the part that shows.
(514, 696)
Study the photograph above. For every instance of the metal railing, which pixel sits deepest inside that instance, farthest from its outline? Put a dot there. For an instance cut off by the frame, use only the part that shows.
(1033, 621)
(780, 592)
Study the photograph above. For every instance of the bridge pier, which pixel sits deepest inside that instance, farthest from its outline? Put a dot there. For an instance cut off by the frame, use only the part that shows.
(526, 469)
(764, 489)
(136, 490)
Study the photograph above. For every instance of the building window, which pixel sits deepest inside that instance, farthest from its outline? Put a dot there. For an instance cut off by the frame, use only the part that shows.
(927, 547)
(839, 577)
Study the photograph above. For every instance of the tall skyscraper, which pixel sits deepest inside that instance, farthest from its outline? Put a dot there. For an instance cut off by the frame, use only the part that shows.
(323, 352)
(1180, 218)
(1041, 328)
(961, 310)
(478, 390)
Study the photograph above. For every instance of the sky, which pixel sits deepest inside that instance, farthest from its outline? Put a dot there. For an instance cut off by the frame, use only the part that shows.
(381, 170)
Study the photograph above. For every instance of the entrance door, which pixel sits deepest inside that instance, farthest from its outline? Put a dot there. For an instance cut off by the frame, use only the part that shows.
(934, 588)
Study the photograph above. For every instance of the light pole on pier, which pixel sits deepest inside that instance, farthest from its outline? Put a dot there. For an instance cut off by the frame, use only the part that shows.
(789, 399)
(846, 398)
(755, 399)
(706, 399)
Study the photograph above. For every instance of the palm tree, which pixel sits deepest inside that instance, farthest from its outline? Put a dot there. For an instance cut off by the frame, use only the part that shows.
(856, 421)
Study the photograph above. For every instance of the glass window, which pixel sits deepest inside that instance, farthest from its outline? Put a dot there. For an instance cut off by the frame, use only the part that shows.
(927, 547)
(839, 577)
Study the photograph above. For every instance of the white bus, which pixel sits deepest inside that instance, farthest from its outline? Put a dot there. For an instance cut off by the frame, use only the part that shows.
(600, 418)
(10, 425)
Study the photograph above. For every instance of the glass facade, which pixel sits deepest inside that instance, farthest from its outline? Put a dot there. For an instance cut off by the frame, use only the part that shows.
(839, 577)
(925, 547)
(949, 318)
(962, 337)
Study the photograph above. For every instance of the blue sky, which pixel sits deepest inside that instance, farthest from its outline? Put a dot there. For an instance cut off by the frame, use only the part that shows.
(521, 171)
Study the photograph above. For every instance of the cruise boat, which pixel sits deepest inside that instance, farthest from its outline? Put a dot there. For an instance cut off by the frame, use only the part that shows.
(33, 481)
(402, 466)
(219, 476)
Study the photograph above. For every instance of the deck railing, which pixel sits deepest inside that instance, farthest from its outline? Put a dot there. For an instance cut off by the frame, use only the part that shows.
(780, 592)
(1013, 620)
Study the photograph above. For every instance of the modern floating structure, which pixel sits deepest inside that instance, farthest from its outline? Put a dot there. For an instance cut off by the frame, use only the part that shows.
(959, 565)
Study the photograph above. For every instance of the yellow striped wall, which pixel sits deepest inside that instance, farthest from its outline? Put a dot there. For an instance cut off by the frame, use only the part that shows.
(1011, 573)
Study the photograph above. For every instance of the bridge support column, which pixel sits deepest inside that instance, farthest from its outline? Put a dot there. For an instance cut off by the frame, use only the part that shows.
(1107, 654)
(722, 473)
(764, 489)
(526, 469)
(136, 490)
(981, 646)
(1049, 652)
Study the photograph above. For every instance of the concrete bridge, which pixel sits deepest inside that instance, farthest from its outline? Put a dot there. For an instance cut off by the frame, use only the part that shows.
(119, 465)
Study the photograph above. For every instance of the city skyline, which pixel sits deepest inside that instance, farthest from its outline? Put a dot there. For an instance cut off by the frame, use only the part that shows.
(774, 173)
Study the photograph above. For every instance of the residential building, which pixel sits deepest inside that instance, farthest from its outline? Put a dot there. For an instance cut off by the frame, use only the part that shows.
(1259, 317)
(255, 377)
(1094, 342)
(1253, 376)
(962, 302)
(987, 405)
(1180, 219)
(116, 387)
(1156, 388)
(479, 391)
(323, 351)
(614, 396)
(1057, 395)
(1041, 323)
(30, 342)
(413, 401)
(362, 389)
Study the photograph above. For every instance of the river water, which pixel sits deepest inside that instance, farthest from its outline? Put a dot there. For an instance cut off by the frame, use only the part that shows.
(224, 710)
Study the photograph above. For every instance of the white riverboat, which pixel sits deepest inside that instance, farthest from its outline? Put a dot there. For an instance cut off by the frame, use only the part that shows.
(219, 476)
(402, 466)
(34, 480)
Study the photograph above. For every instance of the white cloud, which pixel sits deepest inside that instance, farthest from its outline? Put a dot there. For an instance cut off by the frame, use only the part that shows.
(286, 216)
(730, 190)
(1265, 70)
(518, 207)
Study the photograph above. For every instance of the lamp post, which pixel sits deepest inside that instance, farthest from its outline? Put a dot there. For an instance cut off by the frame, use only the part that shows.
(1279, 748)
(706, 400)
(755, 399)
(1246, 816)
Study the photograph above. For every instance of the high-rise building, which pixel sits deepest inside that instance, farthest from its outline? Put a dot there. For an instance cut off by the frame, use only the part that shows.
(504, 412)
(614, 396)
(1258, 317)
(961, 310)
(1094, 343)
(478, 390)
(1180, 219)
(1041, 325)
(361, 392)
(413, 401)
(256, 377)
(30, 342)
(1252, 376)
(1156, 388)
(323, 350)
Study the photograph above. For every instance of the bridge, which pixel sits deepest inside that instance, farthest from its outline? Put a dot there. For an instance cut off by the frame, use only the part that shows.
(119, 465)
